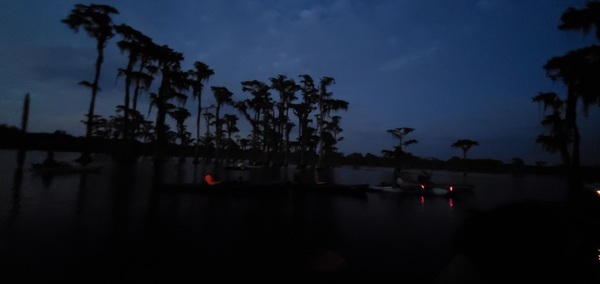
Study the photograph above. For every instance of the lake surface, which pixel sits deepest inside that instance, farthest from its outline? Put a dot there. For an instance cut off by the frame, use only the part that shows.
(112, 223)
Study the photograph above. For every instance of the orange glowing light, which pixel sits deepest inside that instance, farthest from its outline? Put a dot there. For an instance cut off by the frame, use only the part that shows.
(598, 192)
(208, 178)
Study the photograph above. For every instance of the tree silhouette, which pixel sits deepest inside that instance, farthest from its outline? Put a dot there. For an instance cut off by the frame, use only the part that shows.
(326, 105)
(559, 138)
(464, 145)
(144, 76)
(222, 96)
(286, 89)
(96, 21)
(400, 133)
(332, 132)
(270, 120)
(399, 152)
(25, 115)
(261, 105)
(168, 62)
(133, 43)
(230, 122)
(334, 127)
(200, 74)
(209, 120)
(578, 70)
(582, 19)
(180, 115)
(302, 110)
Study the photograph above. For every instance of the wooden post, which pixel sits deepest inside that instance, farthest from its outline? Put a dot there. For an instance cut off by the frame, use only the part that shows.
(25, 117)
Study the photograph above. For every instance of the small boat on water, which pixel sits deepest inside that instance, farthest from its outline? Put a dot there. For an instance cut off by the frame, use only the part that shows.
(421, 190)
(236, 168)
(66, 168)
(241, 166)
(425, 188)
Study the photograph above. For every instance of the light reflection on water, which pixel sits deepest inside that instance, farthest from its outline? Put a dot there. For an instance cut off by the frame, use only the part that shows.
(52, 222)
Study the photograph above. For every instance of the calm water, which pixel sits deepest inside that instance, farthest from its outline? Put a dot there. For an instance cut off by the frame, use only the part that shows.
(111, 222)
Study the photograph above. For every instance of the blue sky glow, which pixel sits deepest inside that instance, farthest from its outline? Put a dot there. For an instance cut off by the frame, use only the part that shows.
(449, 69)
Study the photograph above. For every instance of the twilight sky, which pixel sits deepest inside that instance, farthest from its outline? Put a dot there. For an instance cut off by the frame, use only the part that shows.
(463, 69)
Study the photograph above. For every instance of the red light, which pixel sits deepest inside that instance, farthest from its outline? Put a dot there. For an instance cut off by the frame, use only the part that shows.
(451, 188)
(422, 186)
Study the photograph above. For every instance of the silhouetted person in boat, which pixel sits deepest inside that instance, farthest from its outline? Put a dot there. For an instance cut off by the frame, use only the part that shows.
(300, 176)
(424, 176)
(397, 172)
(84, 159)
(240, 164)
(401, 183)
(50, 161)
(210, 179)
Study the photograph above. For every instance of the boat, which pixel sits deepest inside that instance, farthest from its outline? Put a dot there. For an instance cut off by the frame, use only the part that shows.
(419, 190)
(385, 188)
(236, 168)
(241, 166)
(425, 188)
(66, 168)
(456, 188)
(420, 187)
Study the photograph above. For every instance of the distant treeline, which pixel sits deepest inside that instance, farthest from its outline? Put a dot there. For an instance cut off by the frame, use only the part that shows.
(60, 141)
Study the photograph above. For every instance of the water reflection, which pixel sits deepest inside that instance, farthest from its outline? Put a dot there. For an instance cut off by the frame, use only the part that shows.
(81, 195)
(122, 197)
(325, 175)
(525, 242)
(18, 176)
(16, 189)
(181, 173)
(123, 222)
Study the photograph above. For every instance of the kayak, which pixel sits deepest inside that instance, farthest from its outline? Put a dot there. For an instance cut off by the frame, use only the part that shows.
(423, 189)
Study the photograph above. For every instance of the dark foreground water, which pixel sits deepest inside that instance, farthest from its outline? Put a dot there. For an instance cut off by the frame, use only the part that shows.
(112, 225)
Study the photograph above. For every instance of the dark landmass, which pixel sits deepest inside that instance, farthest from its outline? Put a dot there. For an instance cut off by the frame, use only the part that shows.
(60, 141)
